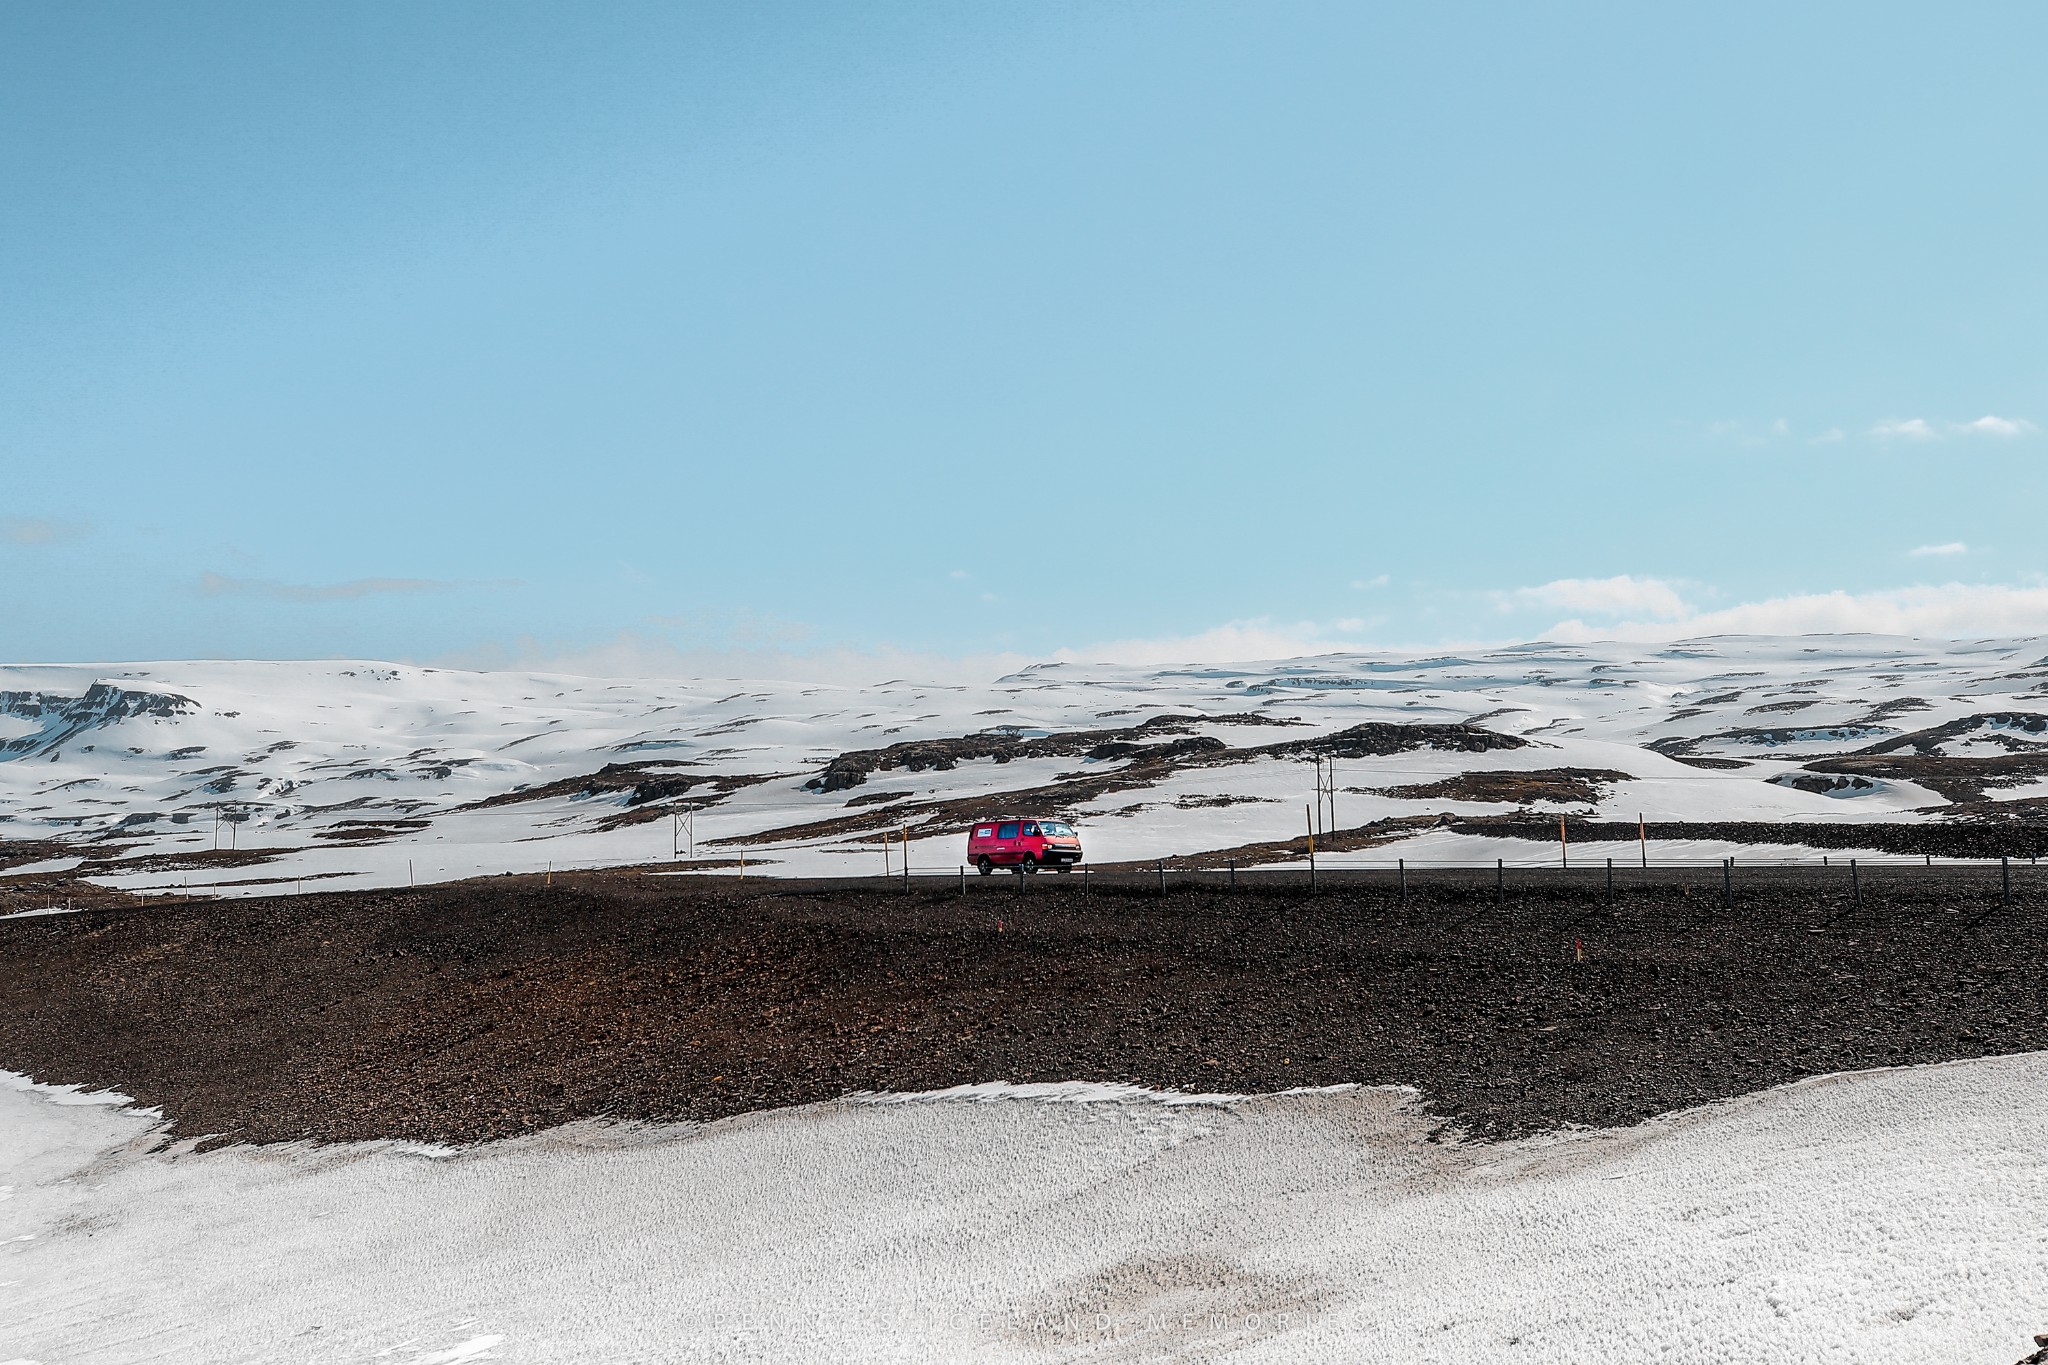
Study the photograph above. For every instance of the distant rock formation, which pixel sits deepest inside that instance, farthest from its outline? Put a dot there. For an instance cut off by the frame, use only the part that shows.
(63, 718)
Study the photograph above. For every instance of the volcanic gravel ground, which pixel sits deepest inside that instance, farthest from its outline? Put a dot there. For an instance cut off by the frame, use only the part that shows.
(498, 1006)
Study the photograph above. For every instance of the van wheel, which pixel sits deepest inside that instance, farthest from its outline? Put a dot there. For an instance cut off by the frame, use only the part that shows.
(1030, 864)
(1065, 868)
(984, 865)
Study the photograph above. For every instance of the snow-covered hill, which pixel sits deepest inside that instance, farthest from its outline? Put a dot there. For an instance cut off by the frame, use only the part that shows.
(365, 774)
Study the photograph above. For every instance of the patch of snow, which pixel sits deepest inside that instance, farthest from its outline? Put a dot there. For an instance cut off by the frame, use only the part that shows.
(1889, 1215)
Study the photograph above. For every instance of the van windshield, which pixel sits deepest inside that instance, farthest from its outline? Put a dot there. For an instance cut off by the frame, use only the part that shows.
(1055, 827)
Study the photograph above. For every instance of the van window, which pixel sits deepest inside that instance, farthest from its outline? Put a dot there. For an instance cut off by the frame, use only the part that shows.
(985, 832)
(1006, 831)
(1030, 829)
(1056, 827)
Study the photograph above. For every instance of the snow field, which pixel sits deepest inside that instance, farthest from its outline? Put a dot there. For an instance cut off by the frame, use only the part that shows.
(1897, 1216)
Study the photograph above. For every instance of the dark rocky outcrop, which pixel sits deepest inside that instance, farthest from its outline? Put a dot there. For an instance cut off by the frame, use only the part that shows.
(1820, 784)
(63, 718)
(1374, 739)
(2004, 728)
(1000, 745)
(1580, 786)
(1965, 781)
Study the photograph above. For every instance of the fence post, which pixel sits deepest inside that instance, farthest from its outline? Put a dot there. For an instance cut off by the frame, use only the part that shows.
(1610, 881)
(2005, 879)
(1727, 883)
(1403, 862)
(1856, 883)
(1500, 880)
(1084, 883)
(1233, 874)
(963, 879)
(1162, 876)
(1311, 851)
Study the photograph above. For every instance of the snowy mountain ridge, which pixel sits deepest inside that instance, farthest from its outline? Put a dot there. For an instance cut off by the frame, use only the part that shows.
(366, 773)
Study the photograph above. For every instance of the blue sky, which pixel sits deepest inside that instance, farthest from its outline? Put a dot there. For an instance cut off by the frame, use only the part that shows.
(635, 335)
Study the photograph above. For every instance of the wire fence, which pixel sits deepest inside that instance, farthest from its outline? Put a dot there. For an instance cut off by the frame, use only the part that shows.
(2002, 880)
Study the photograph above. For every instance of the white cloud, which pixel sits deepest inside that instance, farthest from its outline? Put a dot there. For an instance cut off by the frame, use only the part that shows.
(1920, 429)
(1828, 437)
(1953, 547)
(216, 585)
(1376, 581)
(1988, 425)
(1235, 641)
(630, 654)
(37, 531)
(1955, 610)
(1616, 596)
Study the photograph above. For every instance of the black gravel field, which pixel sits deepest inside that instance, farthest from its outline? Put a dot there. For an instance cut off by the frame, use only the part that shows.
(498, 1006)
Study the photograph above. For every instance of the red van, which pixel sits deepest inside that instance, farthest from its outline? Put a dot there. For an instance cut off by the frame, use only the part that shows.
(1023, 845)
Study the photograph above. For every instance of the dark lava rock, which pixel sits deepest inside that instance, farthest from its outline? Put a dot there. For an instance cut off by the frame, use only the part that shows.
(497, 1006)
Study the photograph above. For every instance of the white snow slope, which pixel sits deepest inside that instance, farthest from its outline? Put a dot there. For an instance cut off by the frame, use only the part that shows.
(295, 755)
(1895, 1216)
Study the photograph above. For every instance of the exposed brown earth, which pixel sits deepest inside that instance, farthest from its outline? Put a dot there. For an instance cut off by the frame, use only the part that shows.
(504, 1005)
(654, 779)
(1374, 834)
(21, 852)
